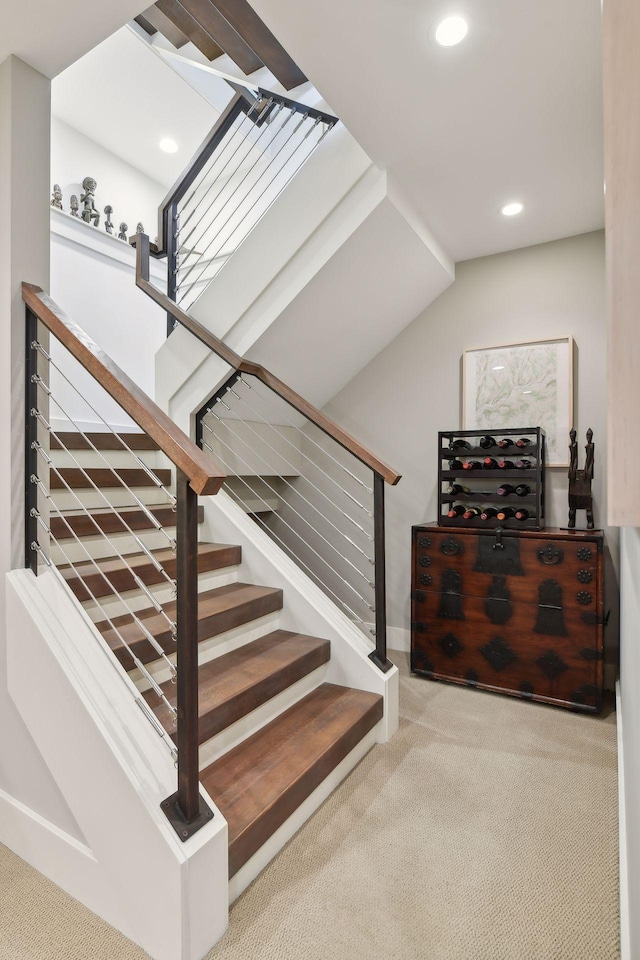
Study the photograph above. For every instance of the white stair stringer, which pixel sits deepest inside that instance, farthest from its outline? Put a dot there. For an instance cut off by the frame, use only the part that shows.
(114, 771)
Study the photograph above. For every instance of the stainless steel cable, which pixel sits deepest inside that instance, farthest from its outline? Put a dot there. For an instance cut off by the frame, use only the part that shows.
(251, 186)
(139, 583)
(293, 530)
(302, 496)
(252, 146)
(274, 197)
(316, 444)
(72, 566)
(170, 496)
(287, 549)
(219, 153)
(299, 450)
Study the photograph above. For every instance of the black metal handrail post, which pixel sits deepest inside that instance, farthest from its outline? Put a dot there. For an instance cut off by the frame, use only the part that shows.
(30, 437)
(379, 655)
(185, 809)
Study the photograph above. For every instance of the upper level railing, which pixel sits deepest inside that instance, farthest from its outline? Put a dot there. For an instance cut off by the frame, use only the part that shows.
(323, 490)
(58, 521)
(256, 147)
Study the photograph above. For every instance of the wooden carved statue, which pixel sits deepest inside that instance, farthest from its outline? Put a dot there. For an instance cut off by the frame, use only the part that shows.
(56, 200)
(580, 496)
(108, 225)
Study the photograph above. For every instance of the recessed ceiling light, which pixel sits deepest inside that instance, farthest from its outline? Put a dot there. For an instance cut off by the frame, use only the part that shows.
(450, 31)
(527, 391)
(168, 145)
(512, 209)
(497, 368)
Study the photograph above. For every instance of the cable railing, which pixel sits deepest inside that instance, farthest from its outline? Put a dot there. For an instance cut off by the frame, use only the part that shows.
(70, 506)
(317, 492)
(256, 147)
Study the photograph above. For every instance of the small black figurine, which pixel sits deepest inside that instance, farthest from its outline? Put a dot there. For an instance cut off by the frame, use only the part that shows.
(123, 231)
(108, 225)
(56, 200)
(89, 209)
(580, 496)
(73, 204)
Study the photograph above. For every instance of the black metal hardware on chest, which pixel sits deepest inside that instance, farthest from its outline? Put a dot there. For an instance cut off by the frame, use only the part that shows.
(426, 579)
(550, 555)
(584, 576)
(584, 597)
(425, 561)
(424, 542)
(451, 547)
(584, 553)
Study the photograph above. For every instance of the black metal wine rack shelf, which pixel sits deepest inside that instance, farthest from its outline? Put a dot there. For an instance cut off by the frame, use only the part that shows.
(484, 483)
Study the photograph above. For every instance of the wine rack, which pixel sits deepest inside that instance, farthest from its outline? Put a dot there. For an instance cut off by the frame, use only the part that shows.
(484, 483)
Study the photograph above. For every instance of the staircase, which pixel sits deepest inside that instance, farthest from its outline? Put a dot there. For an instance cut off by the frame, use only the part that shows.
(270, 728)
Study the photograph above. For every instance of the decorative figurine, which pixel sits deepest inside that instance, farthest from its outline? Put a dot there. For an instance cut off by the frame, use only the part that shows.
(56, 200)
(73, 204)
(123, 231)
(108, 225)
(580, 496)
(89, 209)
(139, 228)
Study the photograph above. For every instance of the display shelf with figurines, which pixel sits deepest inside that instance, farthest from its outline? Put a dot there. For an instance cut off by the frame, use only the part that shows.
(492, 480)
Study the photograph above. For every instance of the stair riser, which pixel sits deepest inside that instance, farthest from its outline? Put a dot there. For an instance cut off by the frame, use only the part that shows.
(133, 600)
(230, 737)
(213, 647)
(108, 458)
(109, 545)
(108, 496)
(256, 864)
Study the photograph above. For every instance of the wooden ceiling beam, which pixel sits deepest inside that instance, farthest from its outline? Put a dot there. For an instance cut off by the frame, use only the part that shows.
(179, 14)
(241, 16)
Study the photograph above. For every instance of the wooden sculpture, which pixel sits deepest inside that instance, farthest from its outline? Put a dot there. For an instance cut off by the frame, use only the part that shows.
(580, 496)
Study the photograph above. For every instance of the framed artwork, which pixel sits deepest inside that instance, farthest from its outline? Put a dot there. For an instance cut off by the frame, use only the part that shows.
(522, 383)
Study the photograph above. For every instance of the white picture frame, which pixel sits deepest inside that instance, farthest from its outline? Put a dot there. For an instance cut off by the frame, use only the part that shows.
(528, 384)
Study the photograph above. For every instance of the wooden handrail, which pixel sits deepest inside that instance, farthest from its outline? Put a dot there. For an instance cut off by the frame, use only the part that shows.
(141, 243)
(203, 476)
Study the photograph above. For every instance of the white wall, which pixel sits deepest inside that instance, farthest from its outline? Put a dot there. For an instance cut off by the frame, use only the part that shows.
(133, 195)
(397, 404)
(24, 255)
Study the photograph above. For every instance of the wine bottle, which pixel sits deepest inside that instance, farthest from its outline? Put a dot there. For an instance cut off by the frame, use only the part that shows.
(522, 514)
(506, 513)
(488, 513)
(507, 465)
(472, 512)
(458, 488)
(523, 464)
(456, 465)
(506, 442)
(486, 442)
(523, 442)
(459, 445)
(505, 490)
(456, 511)
(523, 490)
(472, 465)
(489, 463)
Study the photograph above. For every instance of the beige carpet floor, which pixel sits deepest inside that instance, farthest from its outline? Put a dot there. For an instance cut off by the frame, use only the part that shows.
(486, 830)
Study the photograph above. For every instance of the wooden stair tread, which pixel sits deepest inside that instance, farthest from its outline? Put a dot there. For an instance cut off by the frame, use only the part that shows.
(111, 575)
(73, 440)
(233, 685)
(105, 477)
(219, 610)
(111, 521)
(191, 26)
(263, 780)
(217, 28)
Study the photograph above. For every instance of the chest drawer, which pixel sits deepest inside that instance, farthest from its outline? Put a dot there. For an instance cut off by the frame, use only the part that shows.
(519, 614)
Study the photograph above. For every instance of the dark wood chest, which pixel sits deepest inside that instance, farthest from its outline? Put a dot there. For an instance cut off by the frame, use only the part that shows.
(514, 612)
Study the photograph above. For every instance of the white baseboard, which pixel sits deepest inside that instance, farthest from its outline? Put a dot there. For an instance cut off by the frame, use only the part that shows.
(625, 944)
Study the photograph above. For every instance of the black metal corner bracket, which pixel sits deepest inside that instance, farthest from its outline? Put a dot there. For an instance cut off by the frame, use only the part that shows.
(382, 663)
(174, 815)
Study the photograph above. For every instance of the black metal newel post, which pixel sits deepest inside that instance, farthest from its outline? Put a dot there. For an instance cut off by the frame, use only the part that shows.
(30, 436)
(172, 227)
(185, 809)
(379, 655)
